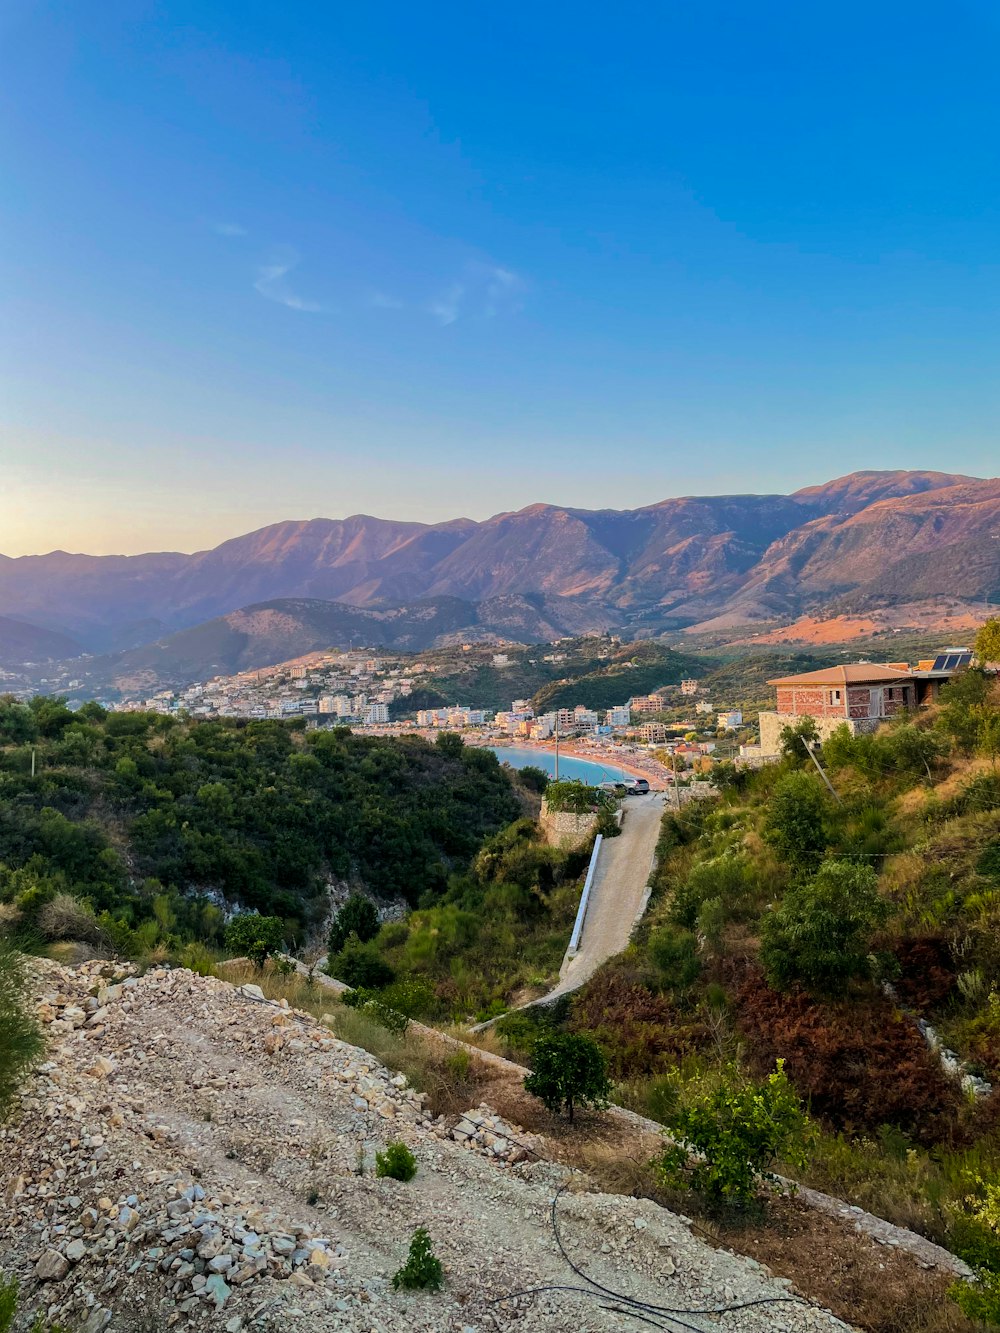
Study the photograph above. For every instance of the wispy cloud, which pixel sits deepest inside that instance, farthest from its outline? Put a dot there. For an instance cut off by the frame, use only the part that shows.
(484, 291)
(503, 291)
(382, 301)
(448, 307)
(228, 229)
(271, 282)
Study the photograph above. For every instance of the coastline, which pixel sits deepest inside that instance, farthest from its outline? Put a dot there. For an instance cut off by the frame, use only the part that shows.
(649, 769)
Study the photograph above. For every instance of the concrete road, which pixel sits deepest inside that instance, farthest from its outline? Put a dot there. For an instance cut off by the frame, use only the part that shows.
(618, 893)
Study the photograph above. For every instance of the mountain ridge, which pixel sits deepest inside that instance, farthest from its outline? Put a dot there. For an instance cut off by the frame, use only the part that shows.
(671, 564)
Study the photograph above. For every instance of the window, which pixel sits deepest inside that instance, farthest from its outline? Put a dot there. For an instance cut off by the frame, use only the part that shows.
(835, 696)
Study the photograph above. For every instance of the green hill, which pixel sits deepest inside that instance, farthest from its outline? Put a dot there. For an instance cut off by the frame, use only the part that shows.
(155, 822)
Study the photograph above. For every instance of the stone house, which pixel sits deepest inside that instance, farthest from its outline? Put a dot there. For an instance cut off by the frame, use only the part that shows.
(860, 696)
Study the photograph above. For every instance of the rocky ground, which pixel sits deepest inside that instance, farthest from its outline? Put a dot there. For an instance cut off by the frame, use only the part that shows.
(194, 1156)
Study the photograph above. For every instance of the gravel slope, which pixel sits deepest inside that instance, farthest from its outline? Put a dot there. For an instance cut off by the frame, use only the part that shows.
(187, 1158)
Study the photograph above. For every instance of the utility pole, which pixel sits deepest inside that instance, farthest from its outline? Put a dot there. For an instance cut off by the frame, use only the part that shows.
(32, 761)
(819, 769)
(557, 748)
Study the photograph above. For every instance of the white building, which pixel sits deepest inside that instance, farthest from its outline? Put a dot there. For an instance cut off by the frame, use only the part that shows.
(618, 717)
(376, 714)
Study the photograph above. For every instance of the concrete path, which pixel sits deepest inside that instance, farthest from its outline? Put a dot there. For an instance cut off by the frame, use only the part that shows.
(618, 894)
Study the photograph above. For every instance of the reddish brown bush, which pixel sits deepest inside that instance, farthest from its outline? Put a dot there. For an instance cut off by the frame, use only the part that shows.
(926, 971)
(639, 1031)
(860, 1064)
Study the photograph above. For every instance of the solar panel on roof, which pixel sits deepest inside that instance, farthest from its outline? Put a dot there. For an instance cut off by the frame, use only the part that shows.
(951, 661)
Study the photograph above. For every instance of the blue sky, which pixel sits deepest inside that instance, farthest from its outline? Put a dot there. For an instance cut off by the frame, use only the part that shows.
(265, 262)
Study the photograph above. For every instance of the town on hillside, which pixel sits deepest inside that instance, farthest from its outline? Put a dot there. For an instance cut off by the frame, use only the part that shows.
(676, 732)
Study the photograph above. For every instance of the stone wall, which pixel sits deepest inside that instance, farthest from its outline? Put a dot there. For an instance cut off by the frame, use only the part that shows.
(564, 829)
(772, 725)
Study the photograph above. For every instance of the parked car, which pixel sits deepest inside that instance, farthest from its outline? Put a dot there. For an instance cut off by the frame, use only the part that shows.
(637, 787)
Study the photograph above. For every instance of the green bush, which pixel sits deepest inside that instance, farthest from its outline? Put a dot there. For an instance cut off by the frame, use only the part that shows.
(359, 966)
(358, 916)
(534, 779)
(397, 1162)
(568, 1069)
(577, 798)
(675, 953)
(979, 1299)
(795, 821)
(729, 878)
(8, 1300)
(820, 935)
(20, 1036)
(729, 1137)
(374, 1005)
(254, 936)
(422, 1270)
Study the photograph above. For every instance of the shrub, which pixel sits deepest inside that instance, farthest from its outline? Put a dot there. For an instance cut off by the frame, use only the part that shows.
(397, 1162)
(675, 953)
(577, 798)
(257, 937)
(730, 878)
(66, 918)
(374, 1005)
(860, 1064)
(533, 778)
(8, 1302)
(358, 965)
(20, 1037)
(979, 1299)
(794, 740)
(358, 916)
(795, 821)
(568, 1069)
(820, 934)
(736, 1132)
(422, 1270)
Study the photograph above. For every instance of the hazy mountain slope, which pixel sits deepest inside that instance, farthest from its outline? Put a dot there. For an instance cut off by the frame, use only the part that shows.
(20, 642)
(676, 561)
(859, 489)
(872, 548)
(273, 631)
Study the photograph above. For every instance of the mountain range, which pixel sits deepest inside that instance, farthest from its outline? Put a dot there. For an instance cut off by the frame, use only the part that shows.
(867, 540)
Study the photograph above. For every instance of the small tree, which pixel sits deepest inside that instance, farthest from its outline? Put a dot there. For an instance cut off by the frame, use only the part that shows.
(20, 1038)
(795, 821)
(730, 1136)
(422, 1270)
(533, 778)
(568, 1069)
(358, 916)
(820, 935)
(988, 642)
(397, 1162)
(795, 739)
(255, 936)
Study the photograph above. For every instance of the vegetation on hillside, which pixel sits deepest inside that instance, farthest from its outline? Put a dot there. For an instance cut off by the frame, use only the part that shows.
(790, 925)
(499, 929)
(137, 828)
(632, 669)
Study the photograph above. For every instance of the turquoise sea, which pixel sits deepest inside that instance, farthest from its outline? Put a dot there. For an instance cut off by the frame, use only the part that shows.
(569, 767)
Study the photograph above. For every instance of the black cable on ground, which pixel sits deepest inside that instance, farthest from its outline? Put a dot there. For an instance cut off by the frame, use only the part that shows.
(651, 1314)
